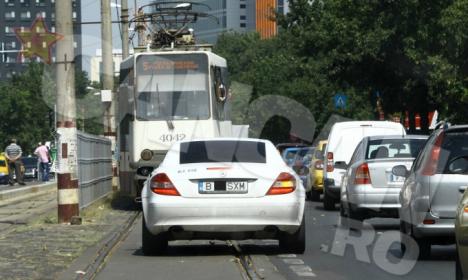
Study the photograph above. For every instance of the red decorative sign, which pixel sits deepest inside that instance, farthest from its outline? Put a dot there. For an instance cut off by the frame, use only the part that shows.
(37, 40)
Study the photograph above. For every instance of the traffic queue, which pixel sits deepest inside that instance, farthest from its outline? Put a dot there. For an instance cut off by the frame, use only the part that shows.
(241, 188)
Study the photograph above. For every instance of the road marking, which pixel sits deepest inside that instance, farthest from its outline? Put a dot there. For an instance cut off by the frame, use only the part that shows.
(297, 265)
(302, 270)
(293, 261)
(287, 256)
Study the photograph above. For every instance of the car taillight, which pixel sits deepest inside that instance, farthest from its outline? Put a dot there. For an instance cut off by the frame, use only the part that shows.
(362, 175)
(318, 165)
(161, 184)
(330, 167)
(285, 183)
(430, 167)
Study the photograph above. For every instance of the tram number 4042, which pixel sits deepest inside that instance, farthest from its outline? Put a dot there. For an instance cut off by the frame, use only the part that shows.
(172, 137)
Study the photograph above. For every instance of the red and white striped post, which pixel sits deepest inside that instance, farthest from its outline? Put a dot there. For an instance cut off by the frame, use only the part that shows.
(67, 182)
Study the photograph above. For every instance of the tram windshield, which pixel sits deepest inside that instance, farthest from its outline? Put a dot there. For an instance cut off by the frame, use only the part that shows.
(172, 87)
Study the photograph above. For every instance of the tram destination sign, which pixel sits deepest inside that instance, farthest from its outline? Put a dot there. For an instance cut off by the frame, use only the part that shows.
(171, 63)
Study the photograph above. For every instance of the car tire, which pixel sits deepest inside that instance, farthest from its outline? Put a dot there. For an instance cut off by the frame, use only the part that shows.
(424, 248)
(314, 195)
(294, 243)
(328, 202)
(353, 215)
(152, 244)
(458, 269)
(344, 219)
(423, 244)
(402, 232)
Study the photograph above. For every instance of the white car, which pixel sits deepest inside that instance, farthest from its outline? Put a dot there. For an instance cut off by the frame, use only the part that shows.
(343, 139)
(225, 189)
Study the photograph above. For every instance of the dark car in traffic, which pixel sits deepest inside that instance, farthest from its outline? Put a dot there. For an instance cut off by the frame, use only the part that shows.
(31, 167)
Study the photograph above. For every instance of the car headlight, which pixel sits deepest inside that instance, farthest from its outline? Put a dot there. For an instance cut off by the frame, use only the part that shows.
(146, 154)
(2, 174)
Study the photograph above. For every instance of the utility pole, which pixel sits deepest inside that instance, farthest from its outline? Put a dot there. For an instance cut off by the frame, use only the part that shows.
(108, 82)
(124, 17)
(67, 181)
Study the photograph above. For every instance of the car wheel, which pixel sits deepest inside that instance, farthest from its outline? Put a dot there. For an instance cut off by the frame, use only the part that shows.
(309, 195)
(344, 219)
(314, 195)
(424, 248)
(328, 202)
(152, 244)
(294, 243)
(354, 215)
(458, 269)
(402, 232)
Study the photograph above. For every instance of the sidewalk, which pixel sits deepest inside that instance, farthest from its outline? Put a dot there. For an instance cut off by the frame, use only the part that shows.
(39, 248)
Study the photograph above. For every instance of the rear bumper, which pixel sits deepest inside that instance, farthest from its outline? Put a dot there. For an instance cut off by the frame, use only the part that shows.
(442, 228)
(366, 196)
(228, 215)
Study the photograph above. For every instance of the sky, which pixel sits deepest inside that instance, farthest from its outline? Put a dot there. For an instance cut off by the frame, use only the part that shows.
(91, 34)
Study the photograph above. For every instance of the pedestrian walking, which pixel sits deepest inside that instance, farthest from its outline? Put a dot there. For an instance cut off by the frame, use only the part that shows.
(13, 154)
(42, 153)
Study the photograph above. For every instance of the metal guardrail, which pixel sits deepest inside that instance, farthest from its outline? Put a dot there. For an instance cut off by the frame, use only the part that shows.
(94, 167)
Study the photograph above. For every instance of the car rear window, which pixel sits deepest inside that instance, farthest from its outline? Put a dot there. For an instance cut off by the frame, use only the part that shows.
(454, 147)
(29, 161)
(222, 151)
(394, 148)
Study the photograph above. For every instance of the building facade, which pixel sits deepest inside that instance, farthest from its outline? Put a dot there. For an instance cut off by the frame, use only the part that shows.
(240, 16)
(95, 72)
(17, 14)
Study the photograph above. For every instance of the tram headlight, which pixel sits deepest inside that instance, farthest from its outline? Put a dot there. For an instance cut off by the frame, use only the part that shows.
(146, 154)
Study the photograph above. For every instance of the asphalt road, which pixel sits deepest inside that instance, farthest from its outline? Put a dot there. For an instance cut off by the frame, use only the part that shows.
(332, 253)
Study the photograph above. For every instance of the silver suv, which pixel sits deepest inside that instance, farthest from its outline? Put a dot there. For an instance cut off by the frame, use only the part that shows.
(433, 188)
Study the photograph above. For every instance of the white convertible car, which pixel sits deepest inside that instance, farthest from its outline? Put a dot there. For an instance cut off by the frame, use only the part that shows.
(225, 189)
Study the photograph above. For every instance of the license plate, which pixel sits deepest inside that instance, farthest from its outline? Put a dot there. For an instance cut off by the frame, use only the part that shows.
(222, 187)
(396, 179)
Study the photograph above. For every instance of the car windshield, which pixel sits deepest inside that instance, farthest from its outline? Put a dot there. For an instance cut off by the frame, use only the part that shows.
(2, 163)
(222, 151)
(394, 148)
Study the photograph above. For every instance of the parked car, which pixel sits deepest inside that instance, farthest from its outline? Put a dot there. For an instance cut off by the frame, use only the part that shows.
(369, 188)
(3, 170)
(315, 183)
(342, 141)
(461, 234)
(433, 188)
(223, 188)
(31, 167)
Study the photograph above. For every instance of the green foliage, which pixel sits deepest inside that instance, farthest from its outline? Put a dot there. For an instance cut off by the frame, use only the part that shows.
(412, 52)
(27, 110)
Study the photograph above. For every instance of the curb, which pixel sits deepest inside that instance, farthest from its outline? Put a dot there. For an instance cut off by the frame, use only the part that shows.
(89, 263)
(27, 191)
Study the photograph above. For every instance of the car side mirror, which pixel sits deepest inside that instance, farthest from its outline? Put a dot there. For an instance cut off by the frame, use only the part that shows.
(400, 170)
